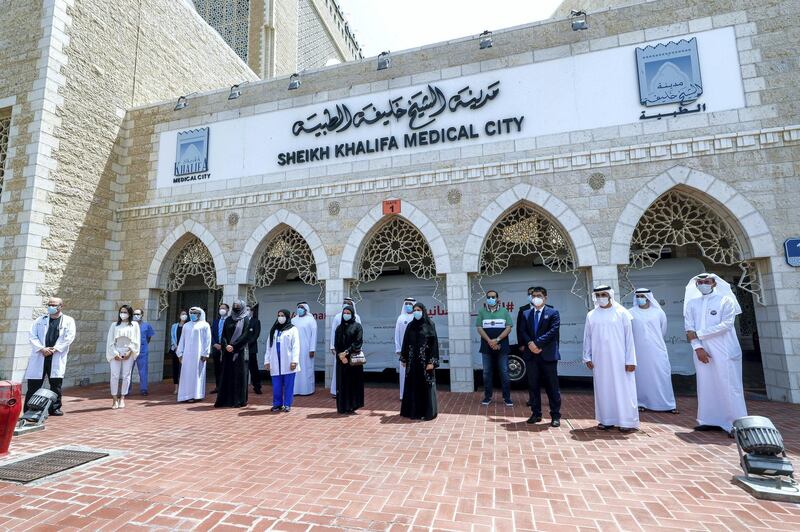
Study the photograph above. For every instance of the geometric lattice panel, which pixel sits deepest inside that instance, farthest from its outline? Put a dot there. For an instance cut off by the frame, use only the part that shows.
(231, 19)
(397, 241)
(192, 259)
(521, 232)
(5, 132)
(286, 251)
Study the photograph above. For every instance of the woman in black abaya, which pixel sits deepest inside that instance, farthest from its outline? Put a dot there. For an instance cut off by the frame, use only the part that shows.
(348, 340)
(420, 358)
(236, 334)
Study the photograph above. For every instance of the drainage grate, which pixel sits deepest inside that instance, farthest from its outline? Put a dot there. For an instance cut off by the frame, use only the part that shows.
(46, 464)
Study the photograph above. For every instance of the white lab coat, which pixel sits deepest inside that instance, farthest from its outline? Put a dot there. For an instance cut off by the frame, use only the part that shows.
(337, 320)
(280, 364)
(720, 394)
(38, 335)
(608, 344)
(307, 330)
(653, 371)
(194, 344)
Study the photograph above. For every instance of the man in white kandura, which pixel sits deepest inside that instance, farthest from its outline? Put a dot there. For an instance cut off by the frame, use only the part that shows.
(306, 325)
(405, 317)
(193, 351)
(337, 320)
(653, 371)
(709, 313)
(609, 351)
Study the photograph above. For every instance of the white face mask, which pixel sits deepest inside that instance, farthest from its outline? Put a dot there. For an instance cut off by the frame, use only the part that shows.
(123, 316)
(281, 319)
(137, 317)
(223, 312)
(537, 301)
(602, 301)
(705, 289)
(184, 317)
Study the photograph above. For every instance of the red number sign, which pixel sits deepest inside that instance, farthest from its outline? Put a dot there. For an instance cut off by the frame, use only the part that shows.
(391, 206)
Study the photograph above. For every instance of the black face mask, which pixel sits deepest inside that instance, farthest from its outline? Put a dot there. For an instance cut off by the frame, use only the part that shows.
(237, 310)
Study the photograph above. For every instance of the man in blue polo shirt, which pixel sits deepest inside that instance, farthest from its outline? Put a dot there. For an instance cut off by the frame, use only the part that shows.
(494, 325)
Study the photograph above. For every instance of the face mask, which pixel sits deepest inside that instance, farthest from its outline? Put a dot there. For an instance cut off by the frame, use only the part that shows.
(137, 317)
(193, 317)
(237, 310)
(281, 319)
(52, 309)
(641, 301)
(301, 311)
(123, 315)
(347, 317)
(705, 289)
(530, 298)
(602, 301)
(491, 301)
(417, 314)
(184, 317)
(537, 301)
(223, 312)
(409, 309)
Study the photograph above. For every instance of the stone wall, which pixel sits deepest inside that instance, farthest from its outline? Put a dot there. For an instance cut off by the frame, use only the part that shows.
(94, 74)
(747, 156)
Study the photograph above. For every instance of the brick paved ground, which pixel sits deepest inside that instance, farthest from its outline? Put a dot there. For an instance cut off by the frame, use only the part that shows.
(191, 466)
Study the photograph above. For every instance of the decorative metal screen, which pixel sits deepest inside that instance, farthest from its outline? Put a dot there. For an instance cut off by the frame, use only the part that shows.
(677, 219)
(397, 241)
(5, 133)
(192, 259)
(231, 19)
(525, 231)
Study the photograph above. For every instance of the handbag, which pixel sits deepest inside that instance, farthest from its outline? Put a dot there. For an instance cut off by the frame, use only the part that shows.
(358, 358)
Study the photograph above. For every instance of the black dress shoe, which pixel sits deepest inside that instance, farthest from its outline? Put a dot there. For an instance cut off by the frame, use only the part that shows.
(600, 426)
(627, 430)
(555, 423)
(528, 404)
(213, 391)
(57, 413)
(144, 393)
(276, 408)
(258, 392)
(534, 419)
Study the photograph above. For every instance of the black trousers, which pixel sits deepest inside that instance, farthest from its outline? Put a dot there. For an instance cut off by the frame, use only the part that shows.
(176, 367)
(216, 357)
(543, 373)
(55, 385)
(255, 376)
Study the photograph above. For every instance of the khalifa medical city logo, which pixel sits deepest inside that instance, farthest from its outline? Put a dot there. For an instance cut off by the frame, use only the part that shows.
(191, 156)
(669, 73)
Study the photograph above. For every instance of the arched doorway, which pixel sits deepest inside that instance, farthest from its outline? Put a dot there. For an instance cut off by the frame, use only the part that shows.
(283, 273)
(191, 280)
(526, 247)
(683, 233)
(395, 262)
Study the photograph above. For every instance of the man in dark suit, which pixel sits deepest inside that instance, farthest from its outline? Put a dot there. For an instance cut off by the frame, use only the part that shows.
(539, 333)
(252, 349)
(216, 345)
(520, 319)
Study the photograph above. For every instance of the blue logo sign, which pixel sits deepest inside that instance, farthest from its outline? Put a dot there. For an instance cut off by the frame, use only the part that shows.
(669, 73)
(792, 247)
(191, 155)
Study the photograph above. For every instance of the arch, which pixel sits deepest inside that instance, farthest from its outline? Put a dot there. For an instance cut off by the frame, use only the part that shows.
(731, 205)
(416, 217)
(282, 217)
(188, 227)
(565, 217)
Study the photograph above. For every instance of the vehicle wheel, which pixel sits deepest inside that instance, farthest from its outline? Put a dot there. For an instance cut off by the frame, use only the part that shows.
(516, 369)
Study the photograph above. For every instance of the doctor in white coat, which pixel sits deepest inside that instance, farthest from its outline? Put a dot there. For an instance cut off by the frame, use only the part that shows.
(709, 313)
(405, 317)
(337, 320)
(50, 337)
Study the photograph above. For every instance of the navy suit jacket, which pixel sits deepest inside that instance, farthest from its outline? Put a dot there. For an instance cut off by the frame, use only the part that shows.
(547, 335)
(215, 335)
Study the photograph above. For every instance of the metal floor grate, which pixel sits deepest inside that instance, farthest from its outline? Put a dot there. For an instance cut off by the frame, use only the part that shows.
(46, 464)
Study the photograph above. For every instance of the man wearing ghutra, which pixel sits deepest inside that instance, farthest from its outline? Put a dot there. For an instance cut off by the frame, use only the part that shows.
(653, 371)
(609, 351)
(405, 317)
(306, 325)
(236, 335)
(193, 350)
(709, 313)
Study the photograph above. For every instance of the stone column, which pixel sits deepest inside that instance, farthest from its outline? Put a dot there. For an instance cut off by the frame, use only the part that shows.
(334, 293)
(606, 274)
(459, 325)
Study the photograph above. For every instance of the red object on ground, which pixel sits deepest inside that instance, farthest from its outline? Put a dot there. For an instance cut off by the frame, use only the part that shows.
(10, 407)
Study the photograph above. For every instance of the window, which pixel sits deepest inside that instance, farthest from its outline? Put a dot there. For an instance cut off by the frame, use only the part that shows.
(5, 133)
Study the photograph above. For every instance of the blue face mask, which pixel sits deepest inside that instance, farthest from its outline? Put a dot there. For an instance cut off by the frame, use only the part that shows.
(409, 309)
(491, 301)
(417, 314)
(641, 301)
(301, 311)
(193, 317)
(347, 317)
(52, 310)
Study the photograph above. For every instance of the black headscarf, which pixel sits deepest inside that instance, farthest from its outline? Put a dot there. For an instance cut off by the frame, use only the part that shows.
(349, 333)
(424, 325)
(278, 327)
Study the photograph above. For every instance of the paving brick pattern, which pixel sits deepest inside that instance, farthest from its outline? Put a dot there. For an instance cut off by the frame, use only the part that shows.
(186, 467)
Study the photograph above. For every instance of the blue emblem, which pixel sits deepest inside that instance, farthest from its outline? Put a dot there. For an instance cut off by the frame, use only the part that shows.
(792, 248)
(191, 154)
(669, 73)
